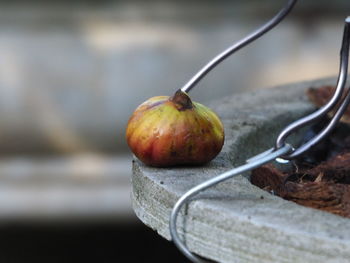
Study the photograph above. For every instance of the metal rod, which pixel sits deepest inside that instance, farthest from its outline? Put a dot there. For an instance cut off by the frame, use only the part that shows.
(209, 183)
(315, 116)
(258, 160)
(240, 44)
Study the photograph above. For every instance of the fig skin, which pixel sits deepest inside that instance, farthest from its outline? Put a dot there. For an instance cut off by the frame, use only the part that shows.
(171, 131)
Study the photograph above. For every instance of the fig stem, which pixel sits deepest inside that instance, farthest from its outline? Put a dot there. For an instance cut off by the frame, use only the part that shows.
(181, 100)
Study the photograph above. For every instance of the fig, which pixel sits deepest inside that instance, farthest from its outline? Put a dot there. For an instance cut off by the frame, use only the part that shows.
(170, 131)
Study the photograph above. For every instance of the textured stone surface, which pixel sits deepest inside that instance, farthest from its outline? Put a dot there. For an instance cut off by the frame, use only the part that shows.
(236, 221)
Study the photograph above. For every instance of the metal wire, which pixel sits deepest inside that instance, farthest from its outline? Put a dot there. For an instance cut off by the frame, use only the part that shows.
(258, 161)
(210, 183)
(240, 44)
(281, 149)
(317, 115)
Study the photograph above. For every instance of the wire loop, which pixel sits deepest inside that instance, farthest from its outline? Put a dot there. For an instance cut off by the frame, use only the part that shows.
(317, 115)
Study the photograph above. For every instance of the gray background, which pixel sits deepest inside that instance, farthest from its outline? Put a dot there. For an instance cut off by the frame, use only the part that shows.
(71, 74)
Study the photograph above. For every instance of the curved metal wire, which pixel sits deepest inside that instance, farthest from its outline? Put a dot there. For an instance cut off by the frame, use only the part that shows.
(317, 115)
(281, 149)
(240, 44)
(258, 161)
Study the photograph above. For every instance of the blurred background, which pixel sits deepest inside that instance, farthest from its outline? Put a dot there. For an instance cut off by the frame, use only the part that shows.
(71, 74)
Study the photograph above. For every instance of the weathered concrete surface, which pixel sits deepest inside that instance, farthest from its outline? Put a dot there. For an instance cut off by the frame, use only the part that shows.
(236, 221)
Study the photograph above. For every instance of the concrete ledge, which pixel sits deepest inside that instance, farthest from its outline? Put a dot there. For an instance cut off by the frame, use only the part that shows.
(236, 221)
